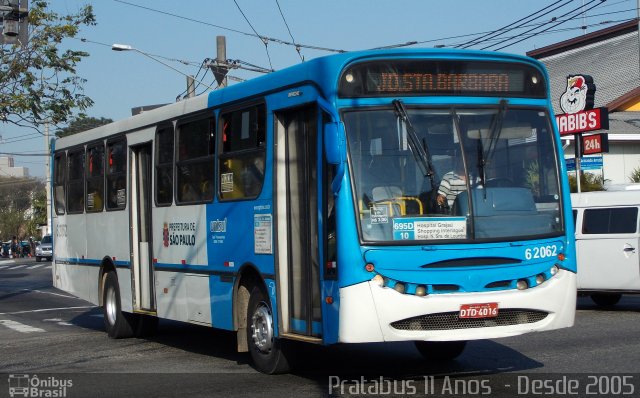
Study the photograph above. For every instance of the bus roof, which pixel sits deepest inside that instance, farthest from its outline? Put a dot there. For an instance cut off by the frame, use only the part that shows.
(605, 199)
(323, 72)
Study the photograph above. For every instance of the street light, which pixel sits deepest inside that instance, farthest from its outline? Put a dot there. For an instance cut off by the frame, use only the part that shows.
(126, 47)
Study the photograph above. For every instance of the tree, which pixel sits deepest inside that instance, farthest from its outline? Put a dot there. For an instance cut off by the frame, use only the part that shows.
(80, 124)
(38, 81)
(635, 175)
(18, 210)
(588, 182)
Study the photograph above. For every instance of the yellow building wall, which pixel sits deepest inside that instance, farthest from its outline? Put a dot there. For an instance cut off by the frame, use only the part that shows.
(633, 105)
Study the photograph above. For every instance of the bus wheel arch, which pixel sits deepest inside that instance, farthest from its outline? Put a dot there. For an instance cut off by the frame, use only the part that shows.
(118, 323)
(106, 267)
(248, 277)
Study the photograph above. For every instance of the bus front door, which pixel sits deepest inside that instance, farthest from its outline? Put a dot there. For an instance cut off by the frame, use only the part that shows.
(142, 266)
(297, 207)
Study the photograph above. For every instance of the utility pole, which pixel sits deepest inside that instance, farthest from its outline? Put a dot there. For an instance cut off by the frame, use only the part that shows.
(47, 145)
(15, 24)
(220, 68)
(191, 87)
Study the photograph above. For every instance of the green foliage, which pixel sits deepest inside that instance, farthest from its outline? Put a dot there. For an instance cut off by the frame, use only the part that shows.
(38, 81)
(588, 182)
(22, 206)
(82, 123)
(532, 177)
(635, 175)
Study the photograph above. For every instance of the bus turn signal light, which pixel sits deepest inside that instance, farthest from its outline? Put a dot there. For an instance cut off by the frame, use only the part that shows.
(369, 267)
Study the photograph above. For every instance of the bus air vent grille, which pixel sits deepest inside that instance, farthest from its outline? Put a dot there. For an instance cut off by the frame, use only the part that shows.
(451, 320)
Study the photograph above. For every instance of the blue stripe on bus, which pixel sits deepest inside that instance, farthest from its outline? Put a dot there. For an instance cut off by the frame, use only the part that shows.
(90, 262)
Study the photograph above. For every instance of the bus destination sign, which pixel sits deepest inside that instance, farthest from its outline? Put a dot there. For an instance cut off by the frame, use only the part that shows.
(442, 77)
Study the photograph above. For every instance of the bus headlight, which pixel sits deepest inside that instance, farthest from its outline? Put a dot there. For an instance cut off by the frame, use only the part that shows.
(554, 270)
(399, 287)
(378, 280)
(522, 284)
(421, 290)
(540, 278)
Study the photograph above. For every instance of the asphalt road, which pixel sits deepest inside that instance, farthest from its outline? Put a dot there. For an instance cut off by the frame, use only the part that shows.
(58, 342)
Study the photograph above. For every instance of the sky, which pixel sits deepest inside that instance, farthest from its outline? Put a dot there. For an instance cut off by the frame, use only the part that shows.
(182, 34)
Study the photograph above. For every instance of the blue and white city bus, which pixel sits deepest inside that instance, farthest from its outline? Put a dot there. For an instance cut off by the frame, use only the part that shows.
(362, 197)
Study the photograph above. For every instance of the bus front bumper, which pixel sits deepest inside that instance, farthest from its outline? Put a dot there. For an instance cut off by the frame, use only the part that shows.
(371, 313)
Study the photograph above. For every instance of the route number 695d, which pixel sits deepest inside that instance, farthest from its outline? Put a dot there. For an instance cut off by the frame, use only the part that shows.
(540, 252)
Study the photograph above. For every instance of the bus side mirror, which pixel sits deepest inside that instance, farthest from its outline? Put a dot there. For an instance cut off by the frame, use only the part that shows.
(333, 145)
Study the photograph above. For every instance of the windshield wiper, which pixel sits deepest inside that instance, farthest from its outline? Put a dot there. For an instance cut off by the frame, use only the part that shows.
(496, 129)
(494, 133)
(420, 152)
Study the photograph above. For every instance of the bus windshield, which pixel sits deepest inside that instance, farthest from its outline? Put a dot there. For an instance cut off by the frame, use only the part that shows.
(459, 173)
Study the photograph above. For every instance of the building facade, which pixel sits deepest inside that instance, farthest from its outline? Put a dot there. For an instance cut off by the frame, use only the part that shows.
(7, 168)
(612, 57)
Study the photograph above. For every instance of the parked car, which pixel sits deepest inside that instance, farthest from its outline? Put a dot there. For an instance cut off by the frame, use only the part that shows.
(607, 244)
(6, 249)
(45, 249)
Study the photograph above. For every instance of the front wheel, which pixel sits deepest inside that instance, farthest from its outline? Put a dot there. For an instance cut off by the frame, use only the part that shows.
(606, 299)
(118, 324)
(266, 350)
(440, 350)
(38, 259)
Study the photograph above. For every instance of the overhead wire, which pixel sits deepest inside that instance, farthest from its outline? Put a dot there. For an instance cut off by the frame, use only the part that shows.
(264, 41)
(289, 30)
(510, 27)
(598, 2)
(270, 39)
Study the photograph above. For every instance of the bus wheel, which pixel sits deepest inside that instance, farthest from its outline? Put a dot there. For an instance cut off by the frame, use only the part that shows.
(266, 350)
(117, 323)
(606, 299)
(440, 350)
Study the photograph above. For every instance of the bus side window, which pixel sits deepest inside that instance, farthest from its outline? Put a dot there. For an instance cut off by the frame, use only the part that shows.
(116, 174)
(242, 158)
(194, 163)
(75, 181)
(164, 165)
(59, 180)
(95, 177)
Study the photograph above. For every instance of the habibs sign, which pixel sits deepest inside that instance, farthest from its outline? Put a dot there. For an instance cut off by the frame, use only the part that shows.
(580, 117)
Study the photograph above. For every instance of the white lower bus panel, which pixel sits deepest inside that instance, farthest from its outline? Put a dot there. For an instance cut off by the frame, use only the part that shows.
(371, 313)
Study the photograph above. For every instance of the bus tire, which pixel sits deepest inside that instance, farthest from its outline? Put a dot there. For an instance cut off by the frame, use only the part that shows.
(266, 350)
(440, 350)
(117, 323)
(606, 299)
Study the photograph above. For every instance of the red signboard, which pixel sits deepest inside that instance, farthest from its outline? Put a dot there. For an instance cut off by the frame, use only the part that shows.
(589, 120)
(595, 143)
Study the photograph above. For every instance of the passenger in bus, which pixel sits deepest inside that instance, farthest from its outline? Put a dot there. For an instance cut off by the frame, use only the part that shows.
(252, 175)
(451, 185)
(188, 193)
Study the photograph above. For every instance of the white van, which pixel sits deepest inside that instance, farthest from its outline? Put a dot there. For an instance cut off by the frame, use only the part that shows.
(607, 244)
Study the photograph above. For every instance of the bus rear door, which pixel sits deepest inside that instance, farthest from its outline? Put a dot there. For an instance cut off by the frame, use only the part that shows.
(142, 267)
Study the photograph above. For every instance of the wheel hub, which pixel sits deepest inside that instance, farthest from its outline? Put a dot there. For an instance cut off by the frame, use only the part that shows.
(111, 306)
(262, 328)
